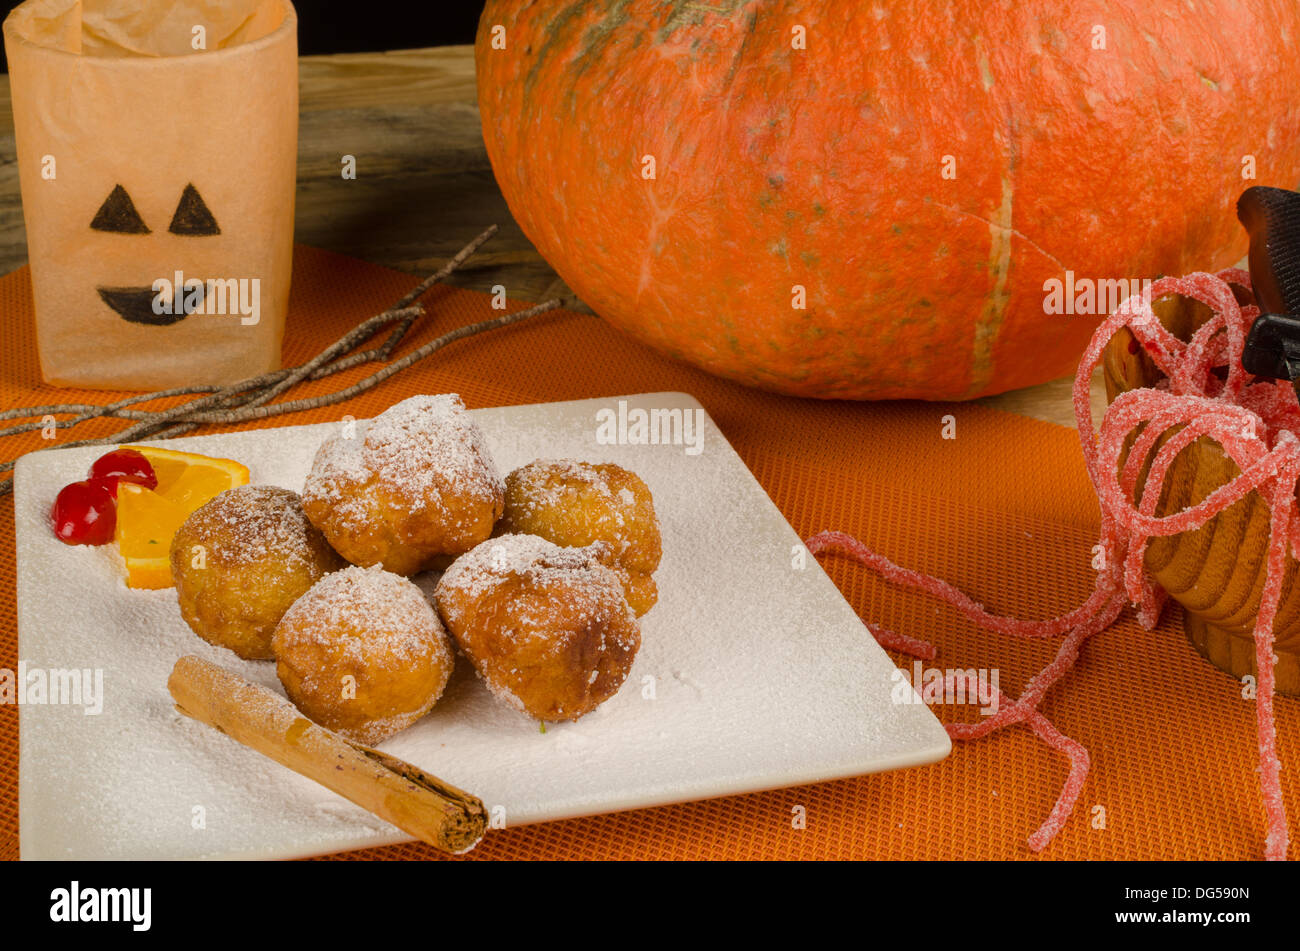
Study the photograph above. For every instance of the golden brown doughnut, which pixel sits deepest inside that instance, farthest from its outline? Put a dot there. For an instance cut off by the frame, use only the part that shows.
(363, 653)
(547, 628)
(240, 560)
(408, 489)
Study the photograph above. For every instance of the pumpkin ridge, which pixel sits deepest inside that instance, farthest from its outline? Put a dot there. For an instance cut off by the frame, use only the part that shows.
(993, 316)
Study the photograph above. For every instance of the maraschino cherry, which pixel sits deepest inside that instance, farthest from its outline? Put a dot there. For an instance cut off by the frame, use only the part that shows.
(124, 465)
(85, 513)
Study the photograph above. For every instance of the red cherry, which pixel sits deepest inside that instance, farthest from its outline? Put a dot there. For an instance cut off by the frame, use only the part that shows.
(124, 465)
(85, 513)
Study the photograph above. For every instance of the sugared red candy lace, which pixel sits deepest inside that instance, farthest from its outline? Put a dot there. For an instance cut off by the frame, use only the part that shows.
(1208, 393)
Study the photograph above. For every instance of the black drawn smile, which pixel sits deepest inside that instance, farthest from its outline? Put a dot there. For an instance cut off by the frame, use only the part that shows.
(135, 304)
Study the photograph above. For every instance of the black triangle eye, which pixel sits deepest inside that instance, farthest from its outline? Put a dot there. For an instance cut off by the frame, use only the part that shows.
(192, 216)
(118, 213)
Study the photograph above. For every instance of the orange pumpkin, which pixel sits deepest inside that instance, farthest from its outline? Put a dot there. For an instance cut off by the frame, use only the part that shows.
(919, 169)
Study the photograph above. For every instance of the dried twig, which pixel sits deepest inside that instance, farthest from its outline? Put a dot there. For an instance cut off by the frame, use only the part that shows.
(296, 406)
(415, 293)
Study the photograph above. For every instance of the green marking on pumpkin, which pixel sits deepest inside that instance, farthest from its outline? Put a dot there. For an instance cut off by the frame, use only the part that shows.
(809, 258)
(779, 248)
(693, 12)
(591, 46)
(597, 37)
(818, 209)
(896, 229)
(555, 30)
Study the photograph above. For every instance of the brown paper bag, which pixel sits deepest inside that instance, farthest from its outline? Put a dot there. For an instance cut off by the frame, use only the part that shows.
(157, 150)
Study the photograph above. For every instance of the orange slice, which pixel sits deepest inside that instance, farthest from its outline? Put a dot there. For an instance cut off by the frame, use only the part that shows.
(148, 518)
(169, 464)
(146, 522)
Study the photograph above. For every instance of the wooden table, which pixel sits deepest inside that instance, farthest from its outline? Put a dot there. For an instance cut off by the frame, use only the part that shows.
(424, 185)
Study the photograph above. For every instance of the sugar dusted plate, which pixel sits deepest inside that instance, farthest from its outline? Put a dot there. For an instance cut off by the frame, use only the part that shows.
(752, 674)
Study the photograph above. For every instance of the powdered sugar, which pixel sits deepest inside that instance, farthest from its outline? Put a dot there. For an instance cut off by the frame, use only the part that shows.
(542, 624)
(398, 623)
(499, 689)
(426, 443)
(478, 571)
(414, 485)
(576, 503)
(550, 485)
(414, 452)
(415, 449)
(340, 465)
(251, 522)
(363, 653)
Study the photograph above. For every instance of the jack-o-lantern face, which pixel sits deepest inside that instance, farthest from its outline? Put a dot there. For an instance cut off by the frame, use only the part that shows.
(117, 214)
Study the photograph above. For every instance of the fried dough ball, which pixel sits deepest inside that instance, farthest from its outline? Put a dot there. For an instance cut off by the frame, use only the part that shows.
(240, 560)
(363, 653)
(408, 490)
(576, 503)
(548, 628)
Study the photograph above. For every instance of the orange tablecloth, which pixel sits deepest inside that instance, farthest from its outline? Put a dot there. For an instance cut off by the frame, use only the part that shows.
(1004, 510)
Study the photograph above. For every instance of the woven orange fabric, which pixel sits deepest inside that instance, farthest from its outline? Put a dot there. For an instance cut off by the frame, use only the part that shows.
(1004, 510)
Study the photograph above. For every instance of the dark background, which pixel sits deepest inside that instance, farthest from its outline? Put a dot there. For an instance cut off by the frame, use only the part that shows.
(338, 26)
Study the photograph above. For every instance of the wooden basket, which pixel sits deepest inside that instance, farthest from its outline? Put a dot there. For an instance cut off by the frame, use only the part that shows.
(1215, 573)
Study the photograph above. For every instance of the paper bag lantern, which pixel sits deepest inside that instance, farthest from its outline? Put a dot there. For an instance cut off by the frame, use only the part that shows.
(157, 148)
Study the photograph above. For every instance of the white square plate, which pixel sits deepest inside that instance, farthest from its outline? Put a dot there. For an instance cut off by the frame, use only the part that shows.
(753, 674)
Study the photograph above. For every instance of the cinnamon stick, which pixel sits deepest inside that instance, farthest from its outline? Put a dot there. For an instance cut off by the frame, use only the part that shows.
(429, 809)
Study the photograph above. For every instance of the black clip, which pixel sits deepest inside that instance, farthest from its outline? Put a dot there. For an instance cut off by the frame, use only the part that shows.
(1272, 219)
(1273, 347)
